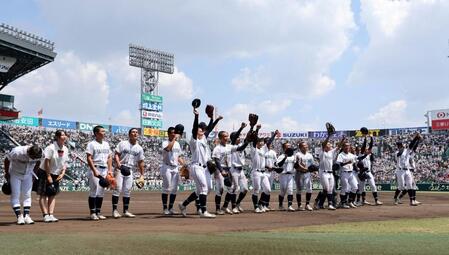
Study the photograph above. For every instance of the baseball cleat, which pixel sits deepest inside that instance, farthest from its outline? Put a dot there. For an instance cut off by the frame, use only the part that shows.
(400, 201)
(227, 210)
(281, 208)
(366, 203)
(47, 219)
(53, 218)
(262, 209)
(183, 210)
(166, 212)
(206, 214)
(129, 215)
(28, 219)
(291, 209)
(309, 208)
(345, 206)
(116, 214)
(235, 211)
(266, 209)
(300, 208)
(257, 210)
(94, 216)
(172, 211)
(101, 217)
(219, 212)
(396, 201)
(412, 203)
(417, 202)
(331, 207)
(240, 208)
(378, 203)
(20, 220)
(352, 205)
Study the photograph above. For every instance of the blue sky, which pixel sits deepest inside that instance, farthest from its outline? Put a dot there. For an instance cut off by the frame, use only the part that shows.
(298, 64)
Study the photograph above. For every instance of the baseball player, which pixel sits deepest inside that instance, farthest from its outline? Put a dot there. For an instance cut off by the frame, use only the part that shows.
(200, 156)
(128, 156)
(52, 170)
(286, 177)
(403, 175)
(99, 160)
(222, 155)
(259, 174)
(348, 179)
(270, 161)
(303, 177)
(365, 174)
(19, 165)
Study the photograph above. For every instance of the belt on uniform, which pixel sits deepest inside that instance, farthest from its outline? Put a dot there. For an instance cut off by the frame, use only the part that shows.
(238, 168)
(260, 170)
(329, 172)
(100, 166)
(287, 173)
(201, 165)
(347, 171)
(404, 169)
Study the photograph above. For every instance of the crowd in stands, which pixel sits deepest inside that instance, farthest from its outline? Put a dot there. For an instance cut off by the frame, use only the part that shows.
(432, 162)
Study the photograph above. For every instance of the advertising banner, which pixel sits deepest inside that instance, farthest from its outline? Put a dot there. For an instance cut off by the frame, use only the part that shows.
(295, 135)
(151, 98)
(404, 131)
(152, 106)
(151, 115)
(48, 123)
(154, 132)
(23, 121)
(323, 134)
(152, 123)
(372, 132)
(89, 127)
(440, 119)
(120, 129)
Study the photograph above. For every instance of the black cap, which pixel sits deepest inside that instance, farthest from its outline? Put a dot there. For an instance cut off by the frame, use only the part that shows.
(196, 103)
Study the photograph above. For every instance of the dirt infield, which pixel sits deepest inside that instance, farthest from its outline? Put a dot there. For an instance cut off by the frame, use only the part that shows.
(72, 210)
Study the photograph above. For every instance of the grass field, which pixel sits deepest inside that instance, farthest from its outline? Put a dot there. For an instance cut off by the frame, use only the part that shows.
(422, 236)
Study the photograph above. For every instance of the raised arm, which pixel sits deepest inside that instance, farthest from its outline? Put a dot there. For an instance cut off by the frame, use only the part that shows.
(273, 135)
(212, 125)
(256, 135)
(195, 124)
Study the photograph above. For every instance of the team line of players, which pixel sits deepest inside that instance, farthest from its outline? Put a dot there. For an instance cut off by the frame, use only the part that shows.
(353, 168)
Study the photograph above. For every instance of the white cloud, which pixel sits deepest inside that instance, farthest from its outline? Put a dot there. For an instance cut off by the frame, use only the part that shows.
(125, 117)
(322, 84)
(251, 80)
(176, 86)
(394, 113)
(69, 88)
(274, 106)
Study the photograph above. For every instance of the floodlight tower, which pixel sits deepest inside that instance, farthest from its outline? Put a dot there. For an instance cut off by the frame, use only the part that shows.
(150, 62)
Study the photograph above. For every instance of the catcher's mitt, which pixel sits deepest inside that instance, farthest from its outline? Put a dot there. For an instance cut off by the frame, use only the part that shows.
(125, 170)
(6, 188)
(210, 111)
(330, 128)
(103, 182)
(179, 129)
(196, 103)
(184, 172)
(140, 182)
(211, 166)
(111, 180)
(313, 168)
(364, 131)
(253, 118)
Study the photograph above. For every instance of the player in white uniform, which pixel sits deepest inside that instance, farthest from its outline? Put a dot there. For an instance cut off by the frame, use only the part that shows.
(239, 181)
(99, 159)
(198, 170)
(348, 179)
(303, 177)
(128, 156)
(327, 157)
(222, 155)
(365, 174)
(171, 160)
(20, 163)
(270, 161)
(286, 177)
(52, 170)
(403, 174)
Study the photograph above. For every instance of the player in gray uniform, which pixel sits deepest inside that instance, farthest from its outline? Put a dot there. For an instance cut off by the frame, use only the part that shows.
(222, 155)
(286, 177)
(365, 174)
(171, 160)
(20, 164)
(198, 169)
(303, 177)
(99, 160)
(128, 157)
(403, 174)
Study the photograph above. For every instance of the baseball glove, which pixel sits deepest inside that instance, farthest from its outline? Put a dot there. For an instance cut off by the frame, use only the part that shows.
(140, 182)
(313, 168)
(210, 111)
(228, 180)
(278, 169)
(51, 190)
(179, 129)
(112, 182)
(211, 166)
(125, 170)
(253, 118)
(289, 152)
(299, 169)
(6, 188)
(330, 128)
(196, 103)
(103, 182)
(184, 172)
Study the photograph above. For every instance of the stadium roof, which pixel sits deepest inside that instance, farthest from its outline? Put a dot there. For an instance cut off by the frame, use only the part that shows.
(21, 52)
